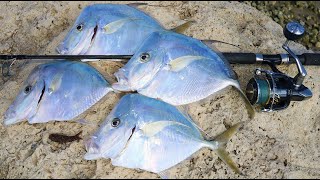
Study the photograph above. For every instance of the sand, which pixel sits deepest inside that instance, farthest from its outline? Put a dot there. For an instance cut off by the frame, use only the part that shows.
(283, 144)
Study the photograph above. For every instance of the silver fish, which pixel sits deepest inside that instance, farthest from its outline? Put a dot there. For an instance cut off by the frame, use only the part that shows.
(110, 29)
(145, 133)
(178, 70)
(58, 91)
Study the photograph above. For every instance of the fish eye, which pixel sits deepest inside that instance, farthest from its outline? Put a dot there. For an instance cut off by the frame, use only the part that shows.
(27, 89)
(80, 27)
(115, 122)
(144, 57)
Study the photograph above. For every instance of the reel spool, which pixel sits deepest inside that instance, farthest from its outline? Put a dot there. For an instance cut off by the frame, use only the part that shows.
(274, 90)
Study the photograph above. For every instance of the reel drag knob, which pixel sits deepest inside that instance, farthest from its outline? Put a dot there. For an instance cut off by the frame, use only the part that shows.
(293, 31)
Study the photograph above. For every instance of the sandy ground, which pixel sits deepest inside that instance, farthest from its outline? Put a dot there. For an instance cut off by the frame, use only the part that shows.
(281, 144)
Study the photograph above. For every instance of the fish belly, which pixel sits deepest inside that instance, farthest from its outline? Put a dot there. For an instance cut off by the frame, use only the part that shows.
(71, 98)
(197, 81)
(160, 152)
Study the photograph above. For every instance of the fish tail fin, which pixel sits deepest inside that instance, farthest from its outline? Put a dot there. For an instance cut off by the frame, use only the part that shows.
(219, 146)
(183, 27)
(248, 105)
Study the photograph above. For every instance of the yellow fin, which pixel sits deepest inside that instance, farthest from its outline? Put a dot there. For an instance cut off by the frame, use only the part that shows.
(224, 156)
(224, 137)
(183, 27)
(115, 25)
(248, 105)
(222, 140)
(183, 61)
(153, 128)
(55, 83)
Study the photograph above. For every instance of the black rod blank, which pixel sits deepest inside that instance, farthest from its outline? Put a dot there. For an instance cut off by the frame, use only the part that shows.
(233, 58)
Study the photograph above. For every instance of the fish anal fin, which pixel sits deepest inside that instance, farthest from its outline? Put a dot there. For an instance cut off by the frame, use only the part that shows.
(164, 174)
(183, 27)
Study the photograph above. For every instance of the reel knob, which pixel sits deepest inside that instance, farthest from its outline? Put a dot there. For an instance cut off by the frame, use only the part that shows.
(293, 31)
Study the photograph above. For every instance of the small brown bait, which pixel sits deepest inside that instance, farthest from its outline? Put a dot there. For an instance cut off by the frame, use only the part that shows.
(60, 138)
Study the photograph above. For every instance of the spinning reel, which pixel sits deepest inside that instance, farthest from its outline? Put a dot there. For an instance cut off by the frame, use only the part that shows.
(272, 90)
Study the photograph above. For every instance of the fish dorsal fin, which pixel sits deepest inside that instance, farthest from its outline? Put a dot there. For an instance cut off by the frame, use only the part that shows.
(86, 122)
(209, 42)
(183, 27)
(135, 5)
(114, 26)
(184, 110)
(55, 83)
(153, 128)
(183, 61)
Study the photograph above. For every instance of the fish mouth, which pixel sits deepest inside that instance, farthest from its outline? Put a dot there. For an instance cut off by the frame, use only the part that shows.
(123, 81)
(10, 117)
(81, 47)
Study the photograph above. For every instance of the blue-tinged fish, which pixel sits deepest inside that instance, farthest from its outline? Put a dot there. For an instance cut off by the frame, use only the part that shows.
(58, 91)
(145, 133)
(110, 29)
(178, 70)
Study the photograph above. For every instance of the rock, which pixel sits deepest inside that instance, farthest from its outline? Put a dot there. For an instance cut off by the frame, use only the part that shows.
(291, 134)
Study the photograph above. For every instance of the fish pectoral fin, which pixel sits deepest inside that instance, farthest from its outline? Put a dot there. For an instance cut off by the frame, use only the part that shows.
(183, 61)
(219, 144)
(183, 27)
(116, 25)
(55, 83)
(153, 128)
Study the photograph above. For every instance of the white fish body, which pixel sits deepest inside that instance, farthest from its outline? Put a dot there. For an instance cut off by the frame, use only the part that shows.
(149, 134)
(58, 91)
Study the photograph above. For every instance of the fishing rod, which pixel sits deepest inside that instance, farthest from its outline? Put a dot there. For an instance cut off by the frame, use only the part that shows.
(233, 58)
(269, 90)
